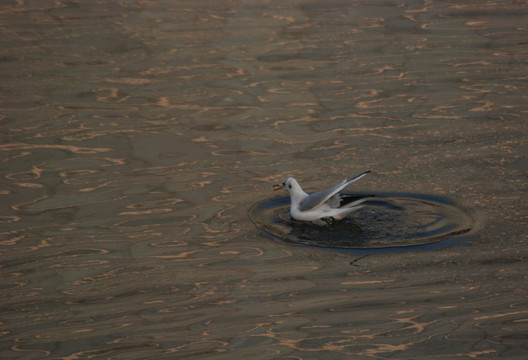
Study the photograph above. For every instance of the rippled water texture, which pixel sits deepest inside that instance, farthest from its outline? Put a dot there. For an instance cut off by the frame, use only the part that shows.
(386, 222)
(136, 136)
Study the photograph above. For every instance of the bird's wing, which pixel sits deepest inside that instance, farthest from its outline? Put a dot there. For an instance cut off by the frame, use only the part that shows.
(320, 197)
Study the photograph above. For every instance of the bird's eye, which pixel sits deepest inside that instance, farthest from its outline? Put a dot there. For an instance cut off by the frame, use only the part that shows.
(289, 186)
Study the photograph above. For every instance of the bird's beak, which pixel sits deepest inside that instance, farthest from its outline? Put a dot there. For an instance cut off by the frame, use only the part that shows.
(277, 187)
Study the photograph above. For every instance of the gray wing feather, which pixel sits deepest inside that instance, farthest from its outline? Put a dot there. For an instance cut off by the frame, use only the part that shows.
(334, 201)
(320, 197)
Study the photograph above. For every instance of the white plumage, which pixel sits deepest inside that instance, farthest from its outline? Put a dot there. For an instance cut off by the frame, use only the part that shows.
(322, 204)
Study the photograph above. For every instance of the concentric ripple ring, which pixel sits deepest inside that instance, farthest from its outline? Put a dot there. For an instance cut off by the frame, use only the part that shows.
(395, 220)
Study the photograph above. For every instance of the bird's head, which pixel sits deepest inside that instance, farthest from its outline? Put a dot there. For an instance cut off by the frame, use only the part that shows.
(288, 184)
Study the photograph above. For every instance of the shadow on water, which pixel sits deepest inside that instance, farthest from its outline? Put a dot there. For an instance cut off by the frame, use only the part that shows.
(389, 222)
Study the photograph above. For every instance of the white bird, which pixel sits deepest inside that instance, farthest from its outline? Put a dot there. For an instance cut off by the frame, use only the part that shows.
(322, 204)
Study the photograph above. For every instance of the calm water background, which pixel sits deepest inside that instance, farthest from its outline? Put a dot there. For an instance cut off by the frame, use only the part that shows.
(137, 134)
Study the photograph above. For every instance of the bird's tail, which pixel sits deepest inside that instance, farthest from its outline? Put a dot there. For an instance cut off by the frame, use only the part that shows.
(351, 201)
(343, 212)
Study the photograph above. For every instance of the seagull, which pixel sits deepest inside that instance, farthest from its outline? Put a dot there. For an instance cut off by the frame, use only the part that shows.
(324, 204)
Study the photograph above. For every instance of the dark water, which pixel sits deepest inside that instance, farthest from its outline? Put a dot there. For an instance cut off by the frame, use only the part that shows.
(388, 222)
(136, 135)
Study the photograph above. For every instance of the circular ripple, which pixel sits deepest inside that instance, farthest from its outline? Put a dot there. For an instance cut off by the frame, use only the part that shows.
(387, 221)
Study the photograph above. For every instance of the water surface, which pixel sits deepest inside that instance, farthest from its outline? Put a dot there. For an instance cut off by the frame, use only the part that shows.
(388, 222)
(136, 135)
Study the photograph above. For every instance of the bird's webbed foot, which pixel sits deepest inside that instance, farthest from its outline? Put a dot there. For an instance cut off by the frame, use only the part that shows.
(329, 220)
